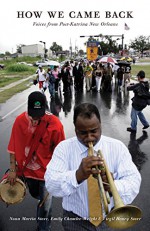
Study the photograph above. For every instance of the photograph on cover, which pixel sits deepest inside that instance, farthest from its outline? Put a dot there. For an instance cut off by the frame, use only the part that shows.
(74, 103)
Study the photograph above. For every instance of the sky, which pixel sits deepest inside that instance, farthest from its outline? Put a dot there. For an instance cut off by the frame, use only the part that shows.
(20, 24)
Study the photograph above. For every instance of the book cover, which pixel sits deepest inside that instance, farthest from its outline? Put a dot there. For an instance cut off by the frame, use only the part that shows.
(70, 24)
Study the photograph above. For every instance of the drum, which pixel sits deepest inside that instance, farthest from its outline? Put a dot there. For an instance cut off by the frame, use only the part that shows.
(12, 194)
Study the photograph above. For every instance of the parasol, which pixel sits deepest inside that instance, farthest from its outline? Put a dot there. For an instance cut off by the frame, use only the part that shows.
(123, 63)
(128, 59)
(107, 59)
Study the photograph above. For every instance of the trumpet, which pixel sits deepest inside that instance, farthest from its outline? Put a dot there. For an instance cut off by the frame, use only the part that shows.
(121, 216)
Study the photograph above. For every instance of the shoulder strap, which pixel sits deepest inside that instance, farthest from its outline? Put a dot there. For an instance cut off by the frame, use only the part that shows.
(36, 139)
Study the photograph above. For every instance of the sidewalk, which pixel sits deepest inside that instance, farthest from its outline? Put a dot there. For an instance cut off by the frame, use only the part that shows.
(16, 83)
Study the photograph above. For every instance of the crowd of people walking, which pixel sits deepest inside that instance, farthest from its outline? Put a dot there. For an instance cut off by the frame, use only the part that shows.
(81, 75)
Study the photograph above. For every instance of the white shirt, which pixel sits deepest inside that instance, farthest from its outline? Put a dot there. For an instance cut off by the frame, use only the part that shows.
(41, 75)
(116, 67)
(60, 176)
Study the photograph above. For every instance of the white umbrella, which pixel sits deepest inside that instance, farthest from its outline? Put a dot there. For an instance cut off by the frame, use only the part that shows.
(53, 63)
(106, 59)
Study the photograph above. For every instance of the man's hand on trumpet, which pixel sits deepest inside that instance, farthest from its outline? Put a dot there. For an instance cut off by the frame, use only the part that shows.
(92, 165)
(87, 167)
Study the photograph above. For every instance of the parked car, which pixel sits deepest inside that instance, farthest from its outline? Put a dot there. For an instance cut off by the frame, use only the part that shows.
(43, 63)
(47, 62)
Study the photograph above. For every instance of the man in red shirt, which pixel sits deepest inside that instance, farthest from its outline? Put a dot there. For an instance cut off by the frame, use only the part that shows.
(35, 134)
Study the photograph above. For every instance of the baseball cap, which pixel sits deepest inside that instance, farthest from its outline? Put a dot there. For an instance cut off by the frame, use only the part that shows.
(36, 104)
(141, 74)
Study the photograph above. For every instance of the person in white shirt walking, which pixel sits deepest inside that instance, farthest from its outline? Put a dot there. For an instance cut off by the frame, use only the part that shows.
(41, 76)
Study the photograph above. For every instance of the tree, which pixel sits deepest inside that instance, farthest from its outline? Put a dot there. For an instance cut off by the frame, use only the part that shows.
(141, 43)
(55, 47)
(7, 53)
(19, 50)
(81, 52)
(107, 45)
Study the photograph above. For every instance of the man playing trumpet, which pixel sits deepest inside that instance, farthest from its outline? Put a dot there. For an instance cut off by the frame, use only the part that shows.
(75, 160)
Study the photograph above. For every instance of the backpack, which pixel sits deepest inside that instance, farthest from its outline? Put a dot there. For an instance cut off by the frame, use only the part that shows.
(142, 92)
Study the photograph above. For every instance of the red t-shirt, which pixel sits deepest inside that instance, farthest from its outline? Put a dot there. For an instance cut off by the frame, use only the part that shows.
(22, 134)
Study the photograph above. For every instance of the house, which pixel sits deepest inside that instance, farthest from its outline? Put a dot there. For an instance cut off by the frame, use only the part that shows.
(146, 53)
(34, 50)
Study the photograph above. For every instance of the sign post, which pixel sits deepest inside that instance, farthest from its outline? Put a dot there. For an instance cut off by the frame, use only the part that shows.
(92, 50)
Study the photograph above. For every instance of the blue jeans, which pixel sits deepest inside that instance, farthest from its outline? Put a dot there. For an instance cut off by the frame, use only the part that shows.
(119, 82)
(37, 190)
(51, 88)
(134, 116)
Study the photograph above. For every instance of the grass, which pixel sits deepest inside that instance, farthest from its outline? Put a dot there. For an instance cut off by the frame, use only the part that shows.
(143, 60)
(15, 72)
(12, 73)
(5, 95)
(136, 68)
(5, 81)
(19, 68)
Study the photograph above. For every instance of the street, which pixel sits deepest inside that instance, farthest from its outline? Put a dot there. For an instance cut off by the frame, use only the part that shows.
(115, 110)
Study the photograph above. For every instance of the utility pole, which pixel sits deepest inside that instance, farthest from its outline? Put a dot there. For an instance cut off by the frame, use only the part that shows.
(70, 48)
(45, 50)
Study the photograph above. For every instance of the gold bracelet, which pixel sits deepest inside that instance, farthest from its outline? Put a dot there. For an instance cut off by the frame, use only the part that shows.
(12, 170)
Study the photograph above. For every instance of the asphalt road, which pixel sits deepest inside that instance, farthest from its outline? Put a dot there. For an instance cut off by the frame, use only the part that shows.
(115, 115)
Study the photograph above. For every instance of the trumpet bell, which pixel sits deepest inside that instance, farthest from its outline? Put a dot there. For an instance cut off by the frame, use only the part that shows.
(123, 217)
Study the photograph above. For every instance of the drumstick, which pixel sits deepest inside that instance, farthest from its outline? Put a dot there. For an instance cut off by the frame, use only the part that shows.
(44, 199)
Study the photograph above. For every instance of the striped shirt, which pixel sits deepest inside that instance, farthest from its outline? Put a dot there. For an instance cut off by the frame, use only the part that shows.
(61, 180)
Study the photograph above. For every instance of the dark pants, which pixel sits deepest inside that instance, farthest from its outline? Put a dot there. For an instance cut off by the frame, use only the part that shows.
(56, 84)
(37, 190)
(72, 222)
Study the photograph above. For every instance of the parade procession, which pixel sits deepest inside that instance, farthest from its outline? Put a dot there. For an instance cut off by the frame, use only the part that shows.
(74, 116)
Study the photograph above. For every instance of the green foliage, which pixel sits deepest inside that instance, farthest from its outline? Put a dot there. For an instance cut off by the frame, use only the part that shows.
(7, 80)
(2, 55)
(136, 68)
(55, 47)
(4, 95)
(141, 43)
(27, 59)
(81, 52)
(18, 68)
(61, 58)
